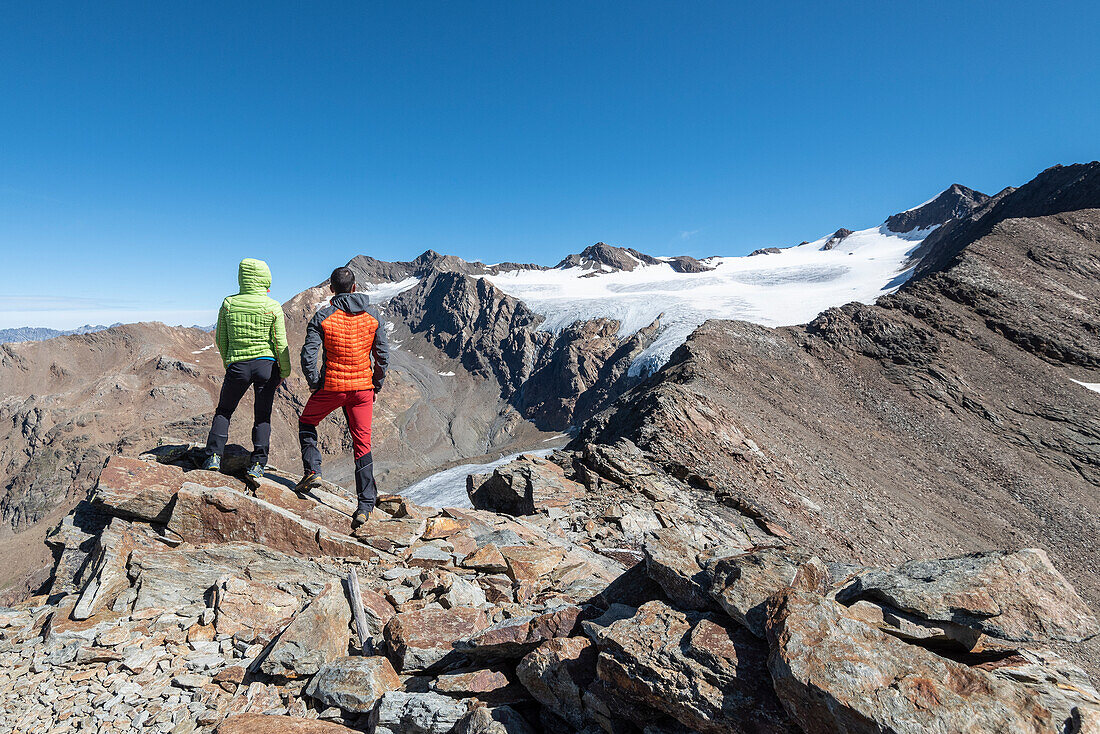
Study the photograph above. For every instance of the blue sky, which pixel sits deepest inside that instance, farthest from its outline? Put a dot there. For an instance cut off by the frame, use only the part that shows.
(147, 147)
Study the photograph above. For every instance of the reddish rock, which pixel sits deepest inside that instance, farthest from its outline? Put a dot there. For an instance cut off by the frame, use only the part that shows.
(143, 490)
(486, 559)
(424, 639)
(221, 515)
(443, 527)
(515, 637)
(834, 673)
(528, 562)
(321, 514)
(524, 486)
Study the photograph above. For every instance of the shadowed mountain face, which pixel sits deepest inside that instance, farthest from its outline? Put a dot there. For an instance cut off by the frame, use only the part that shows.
(949, 416)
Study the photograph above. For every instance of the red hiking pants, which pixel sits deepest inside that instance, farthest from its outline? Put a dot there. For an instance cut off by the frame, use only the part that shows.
(358, 408)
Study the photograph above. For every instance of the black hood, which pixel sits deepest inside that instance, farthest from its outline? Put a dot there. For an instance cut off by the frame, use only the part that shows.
(351, 302)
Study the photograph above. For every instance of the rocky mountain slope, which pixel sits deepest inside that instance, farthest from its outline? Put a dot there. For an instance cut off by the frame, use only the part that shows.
(950, 416)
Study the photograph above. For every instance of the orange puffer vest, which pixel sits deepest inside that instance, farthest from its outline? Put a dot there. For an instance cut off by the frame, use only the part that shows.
(352, 337)
(348, 341)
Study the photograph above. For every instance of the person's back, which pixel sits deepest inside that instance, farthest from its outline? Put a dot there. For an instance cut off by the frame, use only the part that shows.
(344, 361)
(251, 337)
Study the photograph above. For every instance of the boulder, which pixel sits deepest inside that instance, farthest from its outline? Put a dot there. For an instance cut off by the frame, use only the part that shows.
(1013, 596)
(515, 637)
(837, 674)
(486, 559)
(529, 563)
(260, 610)
(222, 515)
(742, 582)
(523, 486)
(487, 684)
(401, 712)
(318, 634)
(389, 533)
(424, 639)
(498, 720)
(557, 673)
(353, 683)
(180, 578)
(108, 577)
(707, 673)
(672, 561)
(268, 724)
(143, 490)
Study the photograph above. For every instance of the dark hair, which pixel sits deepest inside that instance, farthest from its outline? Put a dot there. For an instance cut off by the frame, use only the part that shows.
(342, 279)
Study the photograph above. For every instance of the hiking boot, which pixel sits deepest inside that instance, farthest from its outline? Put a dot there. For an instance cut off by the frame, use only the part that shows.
(359, 520)
(254, 474)
(209, 463)
(308, 481)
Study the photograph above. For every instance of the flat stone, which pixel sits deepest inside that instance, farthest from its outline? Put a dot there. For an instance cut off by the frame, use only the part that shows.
(1013, 596)
(221, 515)
(424, 640)
(429, 556)
(514, 638)
(528, 563)
(353, 683)
(389, 533)
(265, 724)
(486, 559)
(240, 604)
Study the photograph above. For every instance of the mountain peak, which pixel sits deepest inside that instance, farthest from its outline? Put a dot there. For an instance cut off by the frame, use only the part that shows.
(954, 202)
(602, 256)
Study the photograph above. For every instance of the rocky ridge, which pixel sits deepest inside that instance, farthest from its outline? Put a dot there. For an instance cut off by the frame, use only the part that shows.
(614, 597)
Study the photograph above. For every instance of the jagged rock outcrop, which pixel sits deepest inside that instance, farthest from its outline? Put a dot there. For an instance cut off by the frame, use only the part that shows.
(955, 202)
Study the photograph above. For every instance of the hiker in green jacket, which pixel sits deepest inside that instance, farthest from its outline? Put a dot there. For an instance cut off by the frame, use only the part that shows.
(251, 336)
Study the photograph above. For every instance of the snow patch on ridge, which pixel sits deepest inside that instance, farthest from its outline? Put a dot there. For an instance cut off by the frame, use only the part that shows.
(382, 292)
(790, 287)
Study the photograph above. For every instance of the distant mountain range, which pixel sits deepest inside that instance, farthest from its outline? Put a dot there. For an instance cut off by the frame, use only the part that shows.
(41, 333)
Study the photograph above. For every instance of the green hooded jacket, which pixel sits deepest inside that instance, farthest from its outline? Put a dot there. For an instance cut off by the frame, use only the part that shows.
(251, 323)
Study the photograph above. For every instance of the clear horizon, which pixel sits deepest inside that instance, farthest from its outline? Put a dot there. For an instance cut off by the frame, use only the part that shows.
(150, 148)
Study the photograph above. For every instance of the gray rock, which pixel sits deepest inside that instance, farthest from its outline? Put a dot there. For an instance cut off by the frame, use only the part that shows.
(353, 683)
(401, 712)
(741, 583)
(318, 635)
(1014, 596)
(498, 720)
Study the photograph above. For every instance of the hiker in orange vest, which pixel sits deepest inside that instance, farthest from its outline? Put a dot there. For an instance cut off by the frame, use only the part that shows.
(351, 337)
